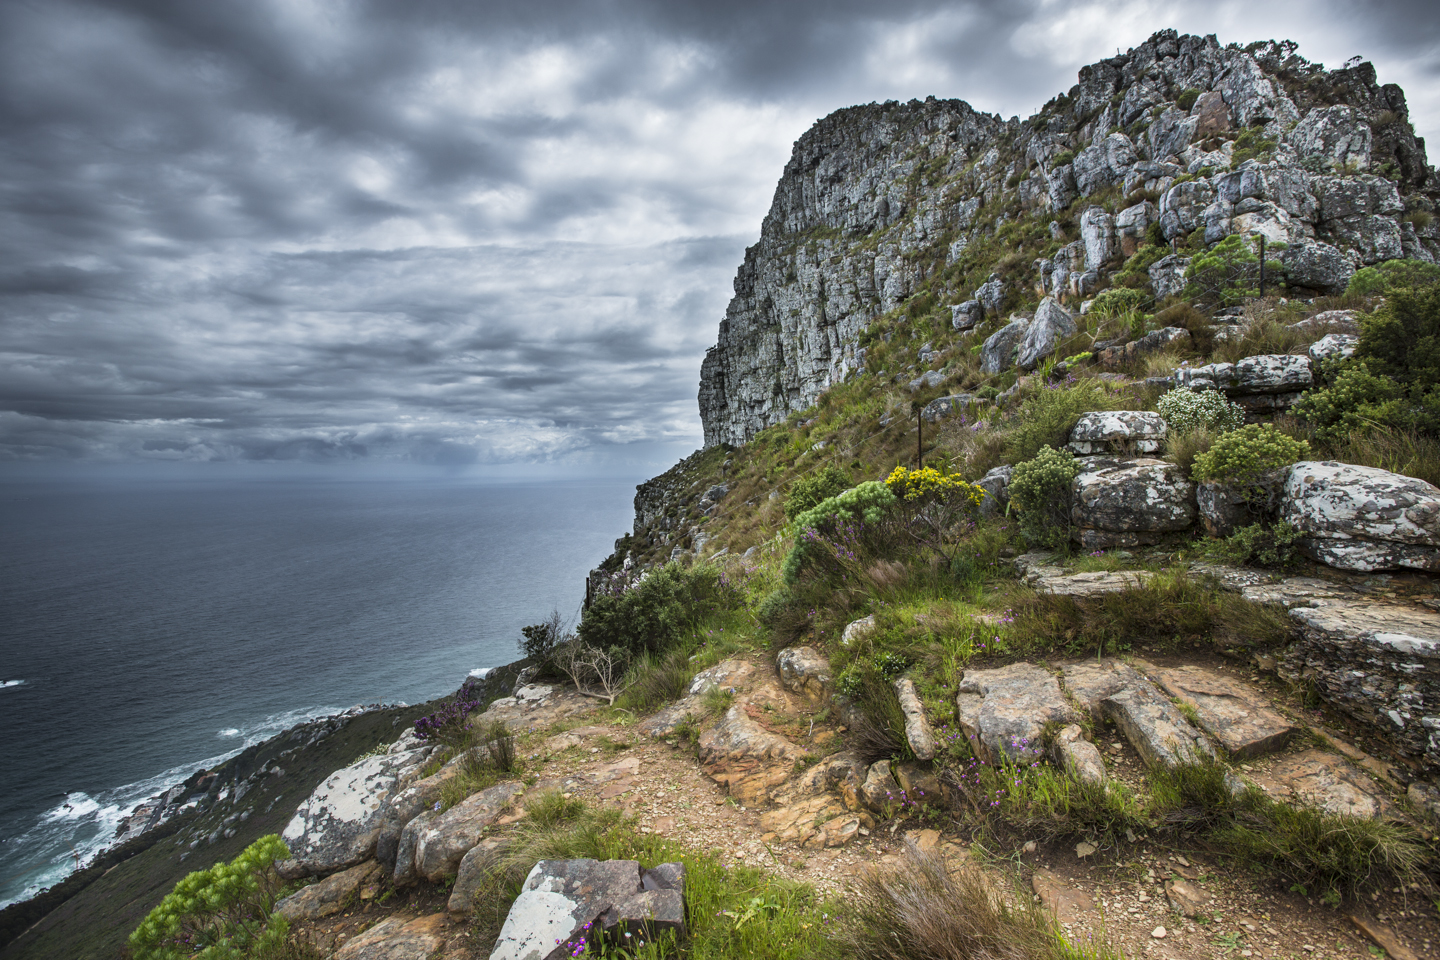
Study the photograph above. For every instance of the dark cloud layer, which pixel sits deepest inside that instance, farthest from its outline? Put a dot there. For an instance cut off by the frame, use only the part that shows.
(457, 233)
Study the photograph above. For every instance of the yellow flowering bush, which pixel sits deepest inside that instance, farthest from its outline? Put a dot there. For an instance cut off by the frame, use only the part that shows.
(929, 483)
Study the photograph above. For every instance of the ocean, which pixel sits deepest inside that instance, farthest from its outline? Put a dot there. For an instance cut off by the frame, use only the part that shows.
(148, 630)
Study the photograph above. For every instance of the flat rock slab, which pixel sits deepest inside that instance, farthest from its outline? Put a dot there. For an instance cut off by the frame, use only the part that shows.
(565, 903)
(1232, 712)
(749, 760)
(805, 822)
(1090, 681)
(1153, 725)
(1054, 580)
(447, 837)
(536, 707)
(1064, 901)
(398, 938)
(732, 675)
(328, 896)
(1079, 757)
(1006, 709)
(1326, 780)
(1379, 663)
(1186, 898)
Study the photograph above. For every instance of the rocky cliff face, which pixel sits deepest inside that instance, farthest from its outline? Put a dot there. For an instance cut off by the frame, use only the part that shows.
(905, 206)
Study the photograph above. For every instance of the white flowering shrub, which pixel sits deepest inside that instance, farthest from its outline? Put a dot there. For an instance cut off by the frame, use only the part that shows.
(1185, 410)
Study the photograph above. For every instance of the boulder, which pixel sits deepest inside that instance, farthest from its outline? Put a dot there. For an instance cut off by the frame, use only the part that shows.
(398, 938)
(1118, 432)
(1182, 206)
(1363, 518)
(1377, 662)
(447, 837)
(1131, 224)
(338, 826)
(1054, 580)
(1333, 346)
(1317, 778)
(1271, 373)
(403, 872)
(1317, 266)
(1102, 243)
(476, 868)
(858, 629)
(1234, 713)
(927, 381)
(1090, 681)
(808, 823)
(991, 294)
(564, 904)
(731, 674)
(1051, 325)
(1077, 756)
(1226, 507)
(996, 484)
(879, 788)
(842, 773)
(944, 407)
(967, 315)
(998, 352)
(329, 896)
(804, 670)
(1130, 503)
(1006, 709)
(1211, 114)
(1152, 342)
(1331, 321)
(917, 729)
(1335, 135)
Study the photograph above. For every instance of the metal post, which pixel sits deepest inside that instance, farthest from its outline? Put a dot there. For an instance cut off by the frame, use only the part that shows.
(1262, 266)
(919, 440)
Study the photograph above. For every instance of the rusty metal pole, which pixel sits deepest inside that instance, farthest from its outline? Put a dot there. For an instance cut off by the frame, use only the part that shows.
(919, 440)
(1262, 266)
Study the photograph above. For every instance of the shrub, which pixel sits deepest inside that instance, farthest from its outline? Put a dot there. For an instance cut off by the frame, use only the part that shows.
(1062, 158)
(1242, 455)
(1228, 272)
(1259, 544)
(223, 913)
(1355, 400)
(1113, 303)
(657, 611)
(1401, 340)
(1046, 417)
(867, 503)
(542, 639)
(807, 492)
(1040, 493)
(1186, 410)
(1187, 97)
(448, 722)
(1380, 279)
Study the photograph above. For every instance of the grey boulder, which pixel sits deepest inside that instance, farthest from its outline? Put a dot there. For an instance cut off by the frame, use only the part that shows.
(998, 352)
(1006, 709)
(445, 839)
(1363, 518)
(1130, 502)
(1051, 325)
(1118, 431)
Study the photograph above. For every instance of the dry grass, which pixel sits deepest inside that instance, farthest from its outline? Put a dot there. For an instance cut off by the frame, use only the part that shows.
(1182, 448)
(922, 911)
(1264, 337)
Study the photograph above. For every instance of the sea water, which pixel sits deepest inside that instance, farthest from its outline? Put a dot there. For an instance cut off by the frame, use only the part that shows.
(151, 630)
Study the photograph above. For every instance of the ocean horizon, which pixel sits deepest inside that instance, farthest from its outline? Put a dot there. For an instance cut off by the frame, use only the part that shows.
(152, 629)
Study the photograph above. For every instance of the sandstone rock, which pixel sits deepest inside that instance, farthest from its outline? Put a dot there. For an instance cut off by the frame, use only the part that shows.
(1333, 346)
(397, 938)
(880, 787)
(664, 723)
(1382, 936)
(1232, 712)
(1296, 592)
(748, 759)
(338, 826)
(967, 315)
(1187, 899)
(1056, 581)
(944, 407)
(858, 629)
(1181, 207)
(1130, 503)
(1102, 243)
(1377, 662)
(1118, 432)
(1090, 681)
(996, 484)
(1363, 518)
(917, 728)
(564, 902)
(446, 838)
(732, 674)
(476, 868)
(329, 896)
(1052, 324)
(843, 773)
(1064, 901)
(1272, 373)
(1318, 266)
(535, 706)
(926, 381)
(991, 294)
(1325, 780)
(1158, 731)
(1211, 114)
(998, 352)
(1079, 757)
(1131, 224)
(805, 671)
(1334, 135)
(919, 784)
(403, 874)
(1168, 275)
(1006, 709)
(1331, 321)
(804, 822)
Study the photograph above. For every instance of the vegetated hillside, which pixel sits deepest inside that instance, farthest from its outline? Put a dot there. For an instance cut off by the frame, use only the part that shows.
(903, 236)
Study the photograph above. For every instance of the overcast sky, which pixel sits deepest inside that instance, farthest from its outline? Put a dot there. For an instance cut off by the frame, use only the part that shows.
(461, 233)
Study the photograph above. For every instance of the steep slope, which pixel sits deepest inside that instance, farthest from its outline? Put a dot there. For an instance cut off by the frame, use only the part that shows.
(892, 205)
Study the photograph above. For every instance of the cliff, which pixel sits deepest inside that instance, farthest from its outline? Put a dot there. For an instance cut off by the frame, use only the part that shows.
(904, 207)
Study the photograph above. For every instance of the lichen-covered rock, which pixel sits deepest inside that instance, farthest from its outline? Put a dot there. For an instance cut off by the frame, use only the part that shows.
(858, 629)
(998, 352)
(1331, 321)
(1317, 266)
(1152, 342)
(1379, 663)
(1090, 681)
(1333, 346)
(804, 670)
(1102, 243)
(1130, 503)
(967, 315)
(1226, 507)
(329, 896)
(1363, 518)
(338, 826)
(1131, 224)
(996, 484)
(1118, 432)
(1052, 323)
(476, 869)
(945, 407)
(1168, 275)
(1271, 373)
(1334, 135)
(1007, 708)
(1315, 778)
(926, 381)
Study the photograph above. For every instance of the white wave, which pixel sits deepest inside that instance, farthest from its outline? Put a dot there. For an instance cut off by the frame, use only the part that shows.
(70, 834)
(11, 683)
(480, 673)
(230, 732)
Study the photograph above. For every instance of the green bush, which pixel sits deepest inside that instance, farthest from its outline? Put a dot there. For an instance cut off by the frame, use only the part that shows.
(866, 503)
(1186, 410)
(1187, 97)
(657, 612)
(1259, 544)
(1252, 144)
(1355, 401)
(1380, 279)
(1117, 302)
(1401, 340)
(1047, 416)
(223, 913)
(1040, 494)
(1242, 455)
(1228, 272)
(808, 492)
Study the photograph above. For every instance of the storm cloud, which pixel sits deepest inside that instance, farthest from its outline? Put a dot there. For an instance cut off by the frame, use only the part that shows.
(458, 233)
